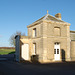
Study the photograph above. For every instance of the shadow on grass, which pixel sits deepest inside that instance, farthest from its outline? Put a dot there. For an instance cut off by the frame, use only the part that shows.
(12, 52)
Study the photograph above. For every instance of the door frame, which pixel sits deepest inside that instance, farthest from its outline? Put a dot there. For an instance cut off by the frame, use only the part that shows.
(57, 51)
(25, 50)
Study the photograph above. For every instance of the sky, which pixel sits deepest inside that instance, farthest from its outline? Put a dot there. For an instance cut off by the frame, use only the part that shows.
(15, 15)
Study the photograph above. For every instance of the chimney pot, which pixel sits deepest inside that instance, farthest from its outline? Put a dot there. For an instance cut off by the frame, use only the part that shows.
(58, 15)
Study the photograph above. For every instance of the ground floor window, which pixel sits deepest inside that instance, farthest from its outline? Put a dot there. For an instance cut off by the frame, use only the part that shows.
(34, 48)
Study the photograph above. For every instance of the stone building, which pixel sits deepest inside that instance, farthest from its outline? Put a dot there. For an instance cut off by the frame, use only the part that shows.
(49, 40)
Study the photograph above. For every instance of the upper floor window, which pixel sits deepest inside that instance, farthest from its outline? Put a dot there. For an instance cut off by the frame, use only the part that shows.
(56, 31)
(34, 32)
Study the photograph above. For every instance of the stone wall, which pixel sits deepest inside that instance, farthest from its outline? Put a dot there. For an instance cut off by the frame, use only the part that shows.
(49, 39)
(38, 40)
(45, 40)
(73, 50)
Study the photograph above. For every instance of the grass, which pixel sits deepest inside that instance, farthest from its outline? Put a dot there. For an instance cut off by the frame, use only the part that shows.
(7, 51)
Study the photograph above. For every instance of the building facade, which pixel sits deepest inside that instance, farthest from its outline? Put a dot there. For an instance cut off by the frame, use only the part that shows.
(49, 40)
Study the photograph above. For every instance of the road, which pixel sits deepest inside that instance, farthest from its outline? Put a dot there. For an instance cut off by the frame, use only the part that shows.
(15, 68)
(9, 67)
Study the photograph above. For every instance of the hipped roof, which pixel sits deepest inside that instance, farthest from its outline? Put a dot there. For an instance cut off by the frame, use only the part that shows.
(49, 18)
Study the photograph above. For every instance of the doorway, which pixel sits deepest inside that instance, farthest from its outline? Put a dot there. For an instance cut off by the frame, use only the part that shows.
(25, 52)
(56, 51)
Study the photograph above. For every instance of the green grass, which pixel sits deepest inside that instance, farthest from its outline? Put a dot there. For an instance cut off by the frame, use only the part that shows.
(7, 51)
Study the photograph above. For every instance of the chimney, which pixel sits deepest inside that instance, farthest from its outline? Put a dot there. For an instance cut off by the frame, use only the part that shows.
(58, 15)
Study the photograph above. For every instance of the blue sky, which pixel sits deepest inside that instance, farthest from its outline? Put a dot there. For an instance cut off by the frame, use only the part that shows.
(15, 15)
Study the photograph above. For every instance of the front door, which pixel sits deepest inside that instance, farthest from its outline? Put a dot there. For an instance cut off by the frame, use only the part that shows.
(25, 52)
(56, 51)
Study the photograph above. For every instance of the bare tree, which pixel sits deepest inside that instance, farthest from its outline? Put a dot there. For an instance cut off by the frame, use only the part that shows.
(12, 37)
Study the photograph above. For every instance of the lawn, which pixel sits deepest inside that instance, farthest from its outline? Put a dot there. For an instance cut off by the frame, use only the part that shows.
(6, 51)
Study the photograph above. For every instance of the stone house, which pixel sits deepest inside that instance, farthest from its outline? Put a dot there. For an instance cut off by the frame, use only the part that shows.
(49, 40)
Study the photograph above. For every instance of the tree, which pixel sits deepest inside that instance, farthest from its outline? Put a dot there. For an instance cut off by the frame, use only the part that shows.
(12, 37)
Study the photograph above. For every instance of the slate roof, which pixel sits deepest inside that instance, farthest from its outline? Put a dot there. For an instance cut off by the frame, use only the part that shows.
(72, 31)
(51, 18)
(72, 35)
